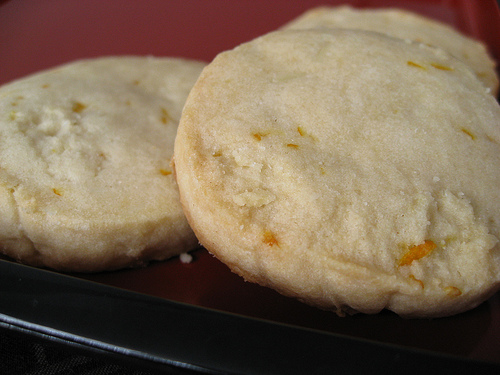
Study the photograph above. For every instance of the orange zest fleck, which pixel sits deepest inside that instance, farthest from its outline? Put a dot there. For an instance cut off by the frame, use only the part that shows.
(417, 280)
(78, 107)
(417, 252)
(468, 133)
(292, 145)
(165, 172)
(165, 117)
(414, 64)
(452, 291)
(301, 131)
(269, 239)
(258, 136)
(441, 67)
(57, 192)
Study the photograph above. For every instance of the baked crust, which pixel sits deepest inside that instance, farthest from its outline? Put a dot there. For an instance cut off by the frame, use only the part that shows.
(348, 169)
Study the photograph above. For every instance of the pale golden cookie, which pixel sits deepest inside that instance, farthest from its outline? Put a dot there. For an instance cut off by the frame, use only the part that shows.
(348, 169)
(403, 24)
(85, 177)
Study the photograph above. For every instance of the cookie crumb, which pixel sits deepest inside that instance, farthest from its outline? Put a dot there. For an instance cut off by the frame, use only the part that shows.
(186, 258)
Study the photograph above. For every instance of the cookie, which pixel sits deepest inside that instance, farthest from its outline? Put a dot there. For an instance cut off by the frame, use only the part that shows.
(406, 25)
(85, 177)
(353, 171)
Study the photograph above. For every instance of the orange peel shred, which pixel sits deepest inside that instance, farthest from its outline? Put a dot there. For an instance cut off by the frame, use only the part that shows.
(269, 238)
(452, 291)
(417, 252)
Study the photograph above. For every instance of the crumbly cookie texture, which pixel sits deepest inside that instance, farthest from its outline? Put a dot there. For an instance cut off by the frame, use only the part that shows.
(404, 24)
(85, 177)
(348, 169)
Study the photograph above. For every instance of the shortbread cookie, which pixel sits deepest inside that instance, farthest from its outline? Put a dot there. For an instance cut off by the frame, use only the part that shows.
(348, 169)
(406, 25)
(85, 177)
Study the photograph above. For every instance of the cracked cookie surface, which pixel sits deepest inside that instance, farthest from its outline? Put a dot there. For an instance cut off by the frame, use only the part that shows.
(85, 176)
(330, 166)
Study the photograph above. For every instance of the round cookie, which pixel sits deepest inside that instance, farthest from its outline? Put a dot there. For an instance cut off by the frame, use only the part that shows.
(348, 169)
(85, 178)
(403, 24)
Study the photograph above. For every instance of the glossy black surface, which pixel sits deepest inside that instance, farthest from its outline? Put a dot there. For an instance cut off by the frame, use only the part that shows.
(180, 336)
